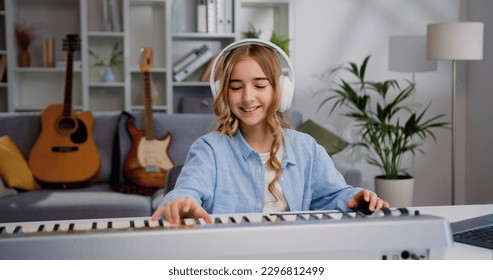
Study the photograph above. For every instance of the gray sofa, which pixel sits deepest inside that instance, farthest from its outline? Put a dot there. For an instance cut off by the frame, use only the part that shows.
(100, 200)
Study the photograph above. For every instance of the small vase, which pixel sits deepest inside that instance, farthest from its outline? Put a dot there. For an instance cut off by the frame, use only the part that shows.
(108, 75)
(24, 58)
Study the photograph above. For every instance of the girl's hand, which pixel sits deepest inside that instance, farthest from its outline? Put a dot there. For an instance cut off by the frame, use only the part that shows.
(367, 200)
(183, 207)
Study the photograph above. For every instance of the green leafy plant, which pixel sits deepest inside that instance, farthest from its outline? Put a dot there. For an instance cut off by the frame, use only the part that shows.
(389, 126)
(115, 59)
(252, 32)
(281, 41)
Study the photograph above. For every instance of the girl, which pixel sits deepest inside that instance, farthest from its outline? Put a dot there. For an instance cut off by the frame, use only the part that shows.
(254, 161)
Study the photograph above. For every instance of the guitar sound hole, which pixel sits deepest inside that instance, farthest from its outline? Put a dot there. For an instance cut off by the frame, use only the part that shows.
(67, 125)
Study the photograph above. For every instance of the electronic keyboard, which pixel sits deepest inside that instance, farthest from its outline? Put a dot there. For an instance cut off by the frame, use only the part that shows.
(385, 234)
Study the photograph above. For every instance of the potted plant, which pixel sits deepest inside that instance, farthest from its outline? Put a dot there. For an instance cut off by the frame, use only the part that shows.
(115, 58)
(389, 125)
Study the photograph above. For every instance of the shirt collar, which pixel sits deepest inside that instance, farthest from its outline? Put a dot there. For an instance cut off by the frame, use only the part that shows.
(246, 150)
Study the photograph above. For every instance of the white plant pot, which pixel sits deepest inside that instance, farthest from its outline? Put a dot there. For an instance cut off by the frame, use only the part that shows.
(397, 192)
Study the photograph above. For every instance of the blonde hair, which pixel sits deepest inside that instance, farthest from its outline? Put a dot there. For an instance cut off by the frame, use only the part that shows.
(228, 123)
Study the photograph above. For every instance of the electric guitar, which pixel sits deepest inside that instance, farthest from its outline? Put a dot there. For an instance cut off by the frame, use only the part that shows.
(65, 154)
(147, 162)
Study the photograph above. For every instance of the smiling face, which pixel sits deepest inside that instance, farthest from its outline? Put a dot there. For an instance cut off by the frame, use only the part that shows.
(250, 93)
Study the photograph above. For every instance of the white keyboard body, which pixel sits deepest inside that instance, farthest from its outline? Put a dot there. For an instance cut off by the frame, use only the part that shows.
(307, 235)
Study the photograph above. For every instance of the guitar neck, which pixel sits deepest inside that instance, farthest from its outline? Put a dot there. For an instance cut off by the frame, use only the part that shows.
(148, 120)
(67, 99)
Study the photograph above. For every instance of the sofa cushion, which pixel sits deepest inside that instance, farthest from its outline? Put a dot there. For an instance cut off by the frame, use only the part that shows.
(97, 201)
(13, 166)
(6, 191)
(326, 138)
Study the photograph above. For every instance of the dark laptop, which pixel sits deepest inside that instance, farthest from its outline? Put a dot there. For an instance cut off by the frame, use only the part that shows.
(476, 231)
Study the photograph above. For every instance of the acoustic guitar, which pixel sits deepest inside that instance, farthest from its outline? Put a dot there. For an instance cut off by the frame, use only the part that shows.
(65, 154)
(147, 162)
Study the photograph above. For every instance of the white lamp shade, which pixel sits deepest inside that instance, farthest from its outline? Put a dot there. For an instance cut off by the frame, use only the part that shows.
(407, 53)
(455, 41)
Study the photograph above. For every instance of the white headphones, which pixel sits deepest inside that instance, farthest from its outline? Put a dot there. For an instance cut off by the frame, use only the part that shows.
(286, 83)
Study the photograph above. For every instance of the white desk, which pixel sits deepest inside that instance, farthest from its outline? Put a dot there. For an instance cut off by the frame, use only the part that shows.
(456, 213)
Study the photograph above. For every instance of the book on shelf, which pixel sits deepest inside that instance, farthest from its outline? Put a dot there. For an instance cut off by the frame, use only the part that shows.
(211, 16)
(202, 16)
(228, 10)
(215, 16)
(207, 71)
(224, 16)
(202, 59)
(188, 58)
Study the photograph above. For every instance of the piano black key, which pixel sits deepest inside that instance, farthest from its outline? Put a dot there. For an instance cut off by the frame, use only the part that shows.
(17, 229)
(56, 227)
(110, 225)
(301, 217)
(387, 211)
(404, 211)
(71, 227)
(266, 219)
(146, 223)
(94, 225)
(41, 228)
(2, 229)
(232, 220)
(160, 221)
(246, 219)
(326, 216)
(217, 221)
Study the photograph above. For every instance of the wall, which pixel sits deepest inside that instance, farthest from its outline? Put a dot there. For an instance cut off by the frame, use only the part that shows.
(348, 30)
(479, 155)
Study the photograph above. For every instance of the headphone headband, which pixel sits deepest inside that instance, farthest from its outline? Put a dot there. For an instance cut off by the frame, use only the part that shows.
(244, 42)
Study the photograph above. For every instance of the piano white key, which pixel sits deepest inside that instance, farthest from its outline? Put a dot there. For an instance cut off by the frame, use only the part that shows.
(189, 221)
(29, 228)
(121, 224)
(288, 217)
(153, 224)
(10, 229)
(48, 227)
(201, 221)
(255, 218)
(82, 226)
(64, 227)
(139, 223)
(335, 216)
(102, 225)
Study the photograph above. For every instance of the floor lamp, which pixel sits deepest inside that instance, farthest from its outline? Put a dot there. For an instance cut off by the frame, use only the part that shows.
(455, 41)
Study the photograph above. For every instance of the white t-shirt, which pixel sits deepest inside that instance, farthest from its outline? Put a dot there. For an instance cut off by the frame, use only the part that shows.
(270, 203)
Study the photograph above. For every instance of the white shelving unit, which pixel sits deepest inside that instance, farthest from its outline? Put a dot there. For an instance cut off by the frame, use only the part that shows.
(169, 27)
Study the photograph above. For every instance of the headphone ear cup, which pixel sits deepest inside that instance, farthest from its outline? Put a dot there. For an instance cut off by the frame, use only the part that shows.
(217, 88)
(287, 93)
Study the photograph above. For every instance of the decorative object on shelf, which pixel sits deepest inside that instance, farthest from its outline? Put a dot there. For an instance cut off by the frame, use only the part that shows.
(281, 41)
(115, 59)
(24, 35)
(198, 59)
(275, 38)
(455, 41)
(108, 75)
(379, 110)
(251, 33)
(48, 52)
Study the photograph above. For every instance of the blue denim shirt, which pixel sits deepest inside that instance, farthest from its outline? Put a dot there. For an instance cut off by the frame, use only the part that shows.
(225, 175)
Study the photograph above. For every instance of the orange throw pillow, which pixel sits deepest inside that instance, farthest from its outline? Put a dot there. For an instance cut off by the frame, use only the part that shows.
(13, 167)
